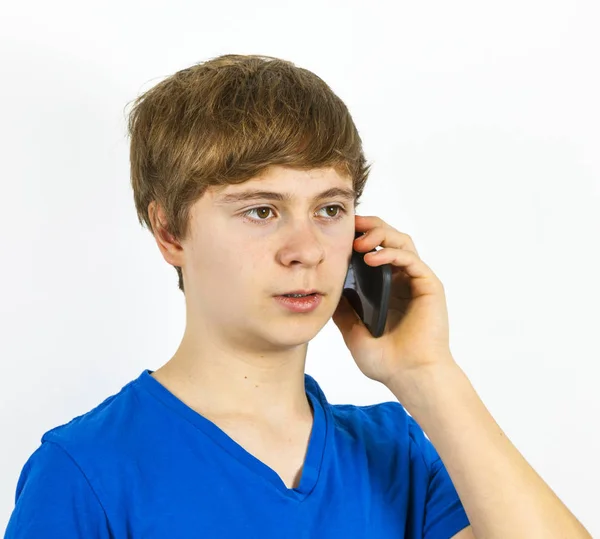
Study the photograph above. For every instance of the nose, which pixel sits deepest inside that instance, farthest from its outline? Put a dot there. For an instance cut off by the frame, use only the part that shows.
(303, 245)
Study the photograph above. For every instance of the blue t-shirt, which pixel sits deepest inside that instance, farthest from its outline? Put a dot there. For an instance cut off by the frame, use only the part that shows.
(143, 464)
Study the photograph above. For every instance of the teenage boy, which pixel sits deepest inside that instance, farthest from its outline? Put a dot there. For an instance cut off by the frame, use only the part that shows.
(248, 171)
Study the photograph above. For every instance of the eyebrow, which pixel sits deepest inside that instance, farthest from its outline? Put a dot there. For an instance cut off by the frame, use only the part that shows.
(245, 196)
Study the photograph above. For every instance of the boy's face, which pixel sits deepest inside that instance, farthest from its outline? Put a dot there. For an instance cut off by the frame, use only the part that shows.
(241, 254)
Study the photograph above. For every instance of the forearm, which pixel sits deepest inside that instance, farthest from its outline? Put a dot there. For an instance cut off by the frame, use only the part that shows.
(501, 493)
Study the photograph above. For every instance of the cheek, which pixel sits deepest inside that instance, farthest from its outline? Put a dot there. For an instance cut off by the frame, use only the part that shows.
(233, 267)
(213, 264)
(340, 261)
(343, 250)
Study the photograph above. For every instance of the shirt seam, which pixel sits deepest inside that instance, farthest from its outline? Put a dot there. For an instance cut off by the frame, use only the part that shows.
(70, 457)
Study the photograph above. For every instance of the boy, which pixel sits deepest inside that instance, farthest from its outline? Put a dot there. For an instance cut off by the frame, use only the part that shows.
(248, 171)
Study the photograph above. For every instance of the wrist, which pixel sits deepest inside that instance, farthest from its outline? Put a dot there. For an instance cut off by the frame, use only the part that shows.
(416, 387)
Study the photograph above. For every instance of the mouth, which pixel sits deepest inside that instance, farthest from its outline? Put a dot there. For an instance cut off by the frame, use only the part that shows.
(300, 294)
(300, 301)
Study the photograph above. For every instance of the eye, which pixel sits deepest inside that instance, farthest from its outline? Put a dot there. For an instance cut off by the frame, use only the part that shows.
(340, 211)
(260, 211)
(263, 211)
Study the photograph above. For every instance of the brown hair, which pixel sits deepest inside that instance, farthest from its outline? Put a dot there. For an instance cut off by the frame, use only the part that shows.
(225, 121)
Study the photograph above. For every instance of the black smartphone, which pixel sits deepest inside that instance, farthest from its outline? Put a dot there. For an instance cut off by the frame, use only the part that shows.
(368, 289)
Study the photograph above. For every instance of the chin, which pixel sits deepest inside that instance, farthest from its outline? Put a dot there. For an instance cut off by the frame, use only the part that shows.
(297, 332)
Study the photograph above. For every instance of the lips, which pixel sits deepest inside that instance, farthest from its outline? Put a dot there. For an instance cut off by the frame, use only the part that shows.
(301, 292)
(305, 304)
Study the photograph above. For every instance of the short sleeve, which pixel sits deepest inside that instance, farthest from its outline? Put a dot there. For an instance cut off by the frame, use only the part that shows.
(54, 500)
(444, 512)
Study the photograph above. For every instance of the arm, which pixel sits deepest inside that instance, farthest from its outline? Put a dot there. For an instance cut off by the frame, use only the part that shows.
(502, 495)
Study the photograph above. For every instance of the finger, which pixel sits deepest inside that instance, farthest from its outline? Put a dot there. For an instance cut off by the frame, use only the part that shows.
(378, 233)
(368, 221)
(384, 237)
(407, 260)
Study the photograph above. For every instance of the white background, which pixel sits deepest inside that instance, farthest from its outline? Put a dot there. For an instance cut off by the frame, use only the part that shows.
(482, 121)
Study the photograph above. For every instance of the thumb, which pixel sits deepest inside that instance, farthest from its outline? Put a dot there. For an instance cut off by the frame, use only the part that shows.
(345, 317)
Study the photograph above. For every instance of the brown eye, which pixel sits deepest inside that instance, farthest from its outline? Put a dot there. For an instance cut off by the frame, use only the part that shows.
(334, 212)
(261, 213)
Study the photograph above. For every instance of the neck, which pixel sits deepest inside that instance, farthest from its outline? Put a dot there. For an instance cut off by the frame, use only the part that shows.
(225, 380)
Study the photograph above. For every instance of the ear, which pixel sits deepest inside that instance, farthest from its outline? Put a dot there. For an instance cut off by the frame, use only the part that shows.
(170, 248)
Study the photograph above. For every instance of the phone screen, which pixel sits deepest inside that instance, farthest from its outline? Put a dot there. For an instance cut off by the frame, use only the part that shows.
(368, 288)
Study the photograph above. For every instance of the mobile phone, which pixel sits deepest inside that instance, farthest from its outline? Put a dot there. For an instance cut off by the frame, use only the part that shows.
(368, 289)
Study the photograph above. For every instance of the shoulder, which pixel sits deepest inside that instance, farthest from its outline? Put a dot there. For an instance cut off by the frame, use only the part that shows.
(379, 417)
(400, 458)
(106, 428)
(386, 425)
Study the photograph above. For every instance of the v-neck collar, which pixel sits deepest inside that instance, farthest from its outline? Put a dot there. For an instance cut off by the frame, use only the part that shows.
(315, 455)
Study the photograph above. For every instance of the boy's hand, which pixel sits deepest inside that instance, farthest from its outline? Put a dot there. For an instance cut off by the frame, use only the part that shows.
(416, 333)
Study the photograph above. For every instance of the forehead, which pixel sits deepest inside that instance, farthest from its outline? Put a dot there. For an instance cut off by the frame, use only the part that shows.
(290, 183)
(280, 178)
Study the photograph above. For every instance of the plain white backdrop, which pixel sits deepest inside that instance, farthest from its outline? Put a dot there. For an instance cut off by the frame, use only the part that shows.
(483, 123)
